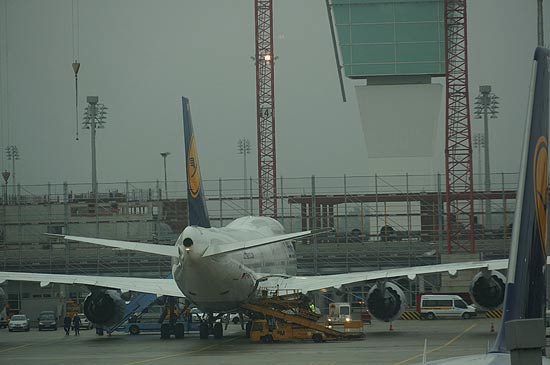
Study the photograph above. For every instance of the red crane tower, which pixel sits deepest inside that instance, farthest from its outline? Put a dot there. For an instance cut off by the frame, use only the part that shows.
(458, 148)
(265, 108)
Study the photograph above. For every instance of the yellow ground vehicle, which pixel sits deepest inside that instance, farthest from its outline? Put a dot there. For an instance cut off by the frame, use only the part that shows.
(281, 331)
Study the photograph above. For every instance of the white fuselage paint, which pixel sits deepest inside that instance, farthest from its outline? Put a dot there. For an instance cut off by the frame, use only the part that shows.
(220, 283)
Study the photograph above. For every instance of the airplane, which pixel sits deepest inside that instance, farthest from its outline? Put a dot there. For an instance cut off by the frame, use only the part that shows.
(218, 269)
(526, 285)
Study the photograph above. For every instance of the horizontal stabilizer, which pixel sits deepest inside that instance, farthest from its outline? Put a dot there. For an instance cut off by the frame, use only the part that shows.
(213, 250)
(163, 250)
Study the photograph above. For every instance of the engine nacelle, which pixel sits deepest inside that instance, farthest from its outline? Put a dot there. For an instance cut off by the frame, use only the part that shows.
(104, 307)
(487, 289)
(387, 304)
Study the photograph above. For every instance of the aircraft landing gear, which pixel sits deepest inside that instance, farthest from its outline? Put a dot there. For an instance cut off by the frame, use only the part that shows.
(211, 325)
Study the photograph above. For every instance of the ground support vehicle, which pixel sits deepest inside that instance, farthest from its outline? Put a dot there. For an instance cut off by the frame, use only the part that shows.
(190, 323)
(287, 317)
(261, 331)
(169, 320)
(434, 306)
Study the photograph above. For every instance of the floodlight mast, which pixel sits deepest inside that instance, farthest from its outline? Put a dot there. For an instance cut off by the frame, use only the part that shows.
(94, 117)
(12, 153)
(243, 147)
(486, 105)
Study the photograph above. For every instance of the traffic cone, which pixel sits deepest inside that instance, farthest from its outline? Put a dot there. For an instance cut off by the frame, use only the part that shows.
(492, 327)
(391, 326)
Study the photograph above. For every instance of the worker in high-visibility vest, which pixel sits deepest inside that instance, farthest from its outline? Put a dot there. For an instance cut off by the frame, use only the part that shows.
(312, 307)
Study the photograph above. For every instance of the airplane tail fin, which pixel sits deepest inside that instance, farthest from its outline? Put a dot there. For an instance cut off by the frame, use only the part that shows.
(196, 202)
(525, 288)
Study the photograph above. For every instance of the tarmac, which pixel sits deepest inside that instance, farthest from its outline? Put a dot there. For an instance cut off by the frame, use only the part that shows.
(380, 346)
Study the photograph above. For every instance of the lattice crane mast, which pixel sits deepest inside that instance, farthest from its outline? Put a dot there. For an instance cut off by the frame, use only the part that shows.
(265, 108)
(458, 145)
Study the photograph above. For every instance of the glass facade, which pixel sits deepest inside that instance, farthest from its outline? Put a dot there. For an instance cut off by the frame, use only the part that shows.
(385, 37)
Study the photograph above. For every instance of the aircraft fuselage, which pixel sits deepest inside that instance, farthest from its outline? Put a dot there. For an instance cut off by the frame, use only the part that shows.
(222, 282)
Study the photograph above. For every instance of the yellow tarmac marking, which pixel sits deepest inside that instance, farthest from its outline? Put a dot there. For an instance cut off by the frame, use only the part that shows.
(15, 348)
(180, 353)
(438, 348)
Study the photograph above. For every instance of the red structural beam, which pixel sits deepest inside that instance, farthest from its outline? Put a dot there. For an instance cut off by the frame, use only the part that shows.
(458, 148)
(265, 107)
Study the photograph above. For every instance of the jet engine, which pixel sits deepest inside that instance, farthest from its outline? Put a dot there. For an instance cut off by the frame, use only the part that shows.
(104, 307)
(487, 289)
(386, 302)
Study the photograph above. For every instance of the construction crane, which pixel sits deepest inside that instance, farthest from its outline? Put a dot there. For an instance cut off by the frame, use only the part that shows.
(458, 143)
(265, 108)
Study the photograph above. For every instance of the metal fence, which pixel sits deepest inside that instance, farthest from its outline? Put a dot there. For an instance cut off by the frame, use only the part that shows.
(360, 205)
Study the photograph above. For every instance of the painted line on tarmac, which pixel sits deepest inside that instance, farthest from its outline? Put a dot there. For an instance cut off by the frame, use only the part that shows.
(181, 353)
(54, 340)
(439, 347)
(15, 348)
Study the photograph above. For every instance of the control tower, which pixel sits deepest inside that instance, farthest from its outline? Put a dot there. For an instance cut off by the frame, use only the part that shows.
(398, 47)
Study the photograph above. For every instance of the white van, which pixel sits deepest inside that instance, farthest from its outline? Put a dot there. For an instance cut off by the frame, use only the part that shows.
(440, 306)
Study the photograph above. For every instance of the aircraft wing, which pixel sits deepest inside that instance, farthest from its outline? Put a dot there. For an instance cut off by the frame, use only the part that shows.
(312, 283)
(144, 285)
(164, 250)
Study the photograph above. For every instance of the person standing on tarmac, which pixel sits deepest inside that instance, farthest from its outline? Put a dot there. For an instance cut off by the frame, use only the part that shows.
(67, 324)
(76, 325)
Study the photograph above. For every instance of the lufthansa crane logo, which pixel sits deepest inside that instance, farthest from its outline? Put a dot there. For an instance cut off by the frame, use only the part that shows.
(193, 170)
(540, 176)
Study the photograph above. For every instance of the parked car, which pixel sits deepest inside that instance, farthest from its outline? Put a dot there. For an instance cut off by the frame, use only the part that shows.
(19, 322)
(47, 320)
(84, 323)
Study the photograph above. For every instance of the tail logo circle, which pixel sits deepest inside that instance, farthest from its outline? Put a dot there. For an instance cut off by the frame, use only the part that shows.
(540, 180)
(193, 170)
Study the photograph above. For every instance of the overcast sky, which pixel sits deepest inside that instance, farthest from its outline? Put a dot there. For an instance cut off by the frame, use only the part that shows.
(141, 56)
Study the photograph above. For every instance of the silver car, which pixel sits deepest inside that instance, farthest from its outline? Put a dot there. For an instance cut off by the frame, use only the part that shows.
(84, 323)
(19, 322)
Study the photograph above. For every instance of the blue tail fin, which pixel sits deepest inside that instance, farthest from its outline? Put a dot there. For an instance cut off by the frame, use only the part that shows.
(196, 202)
(525, 289)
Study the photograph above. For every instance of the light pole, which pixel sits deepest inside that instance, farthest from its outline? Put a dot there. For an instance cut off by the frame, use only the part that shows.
(164, 155)
(244, 149)
(94, 117)
(487, 105)
(479, 143)
(12, 153)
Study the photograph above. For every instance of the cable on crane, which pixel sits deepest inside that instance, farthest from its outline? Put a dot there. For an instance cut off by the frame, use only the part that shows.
(76, 50)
